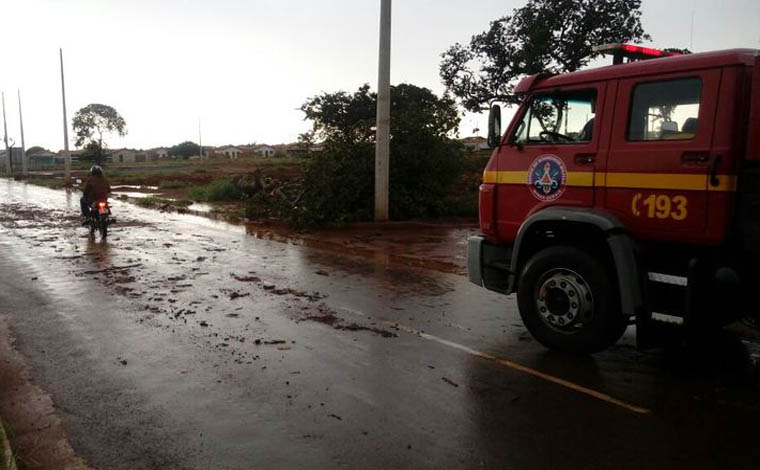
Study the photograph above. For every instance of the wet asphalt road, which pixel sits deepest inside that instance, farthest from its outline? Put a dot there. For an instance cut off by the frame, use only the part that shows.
(185, 343)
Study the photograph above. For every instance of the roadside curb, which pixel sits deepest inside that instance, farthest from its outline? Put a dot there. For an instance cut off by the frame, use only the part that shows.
(10, 461)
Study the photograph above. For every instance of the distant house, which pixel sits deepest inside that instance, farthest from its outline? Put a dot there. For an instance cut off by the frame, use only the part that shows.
(229, 151)
(291, 149)
(60, 157)
(15, 157)
(475, 143)
(265, 151)
(40, 158)
(298, 148)
(124, 156)
(158, 153)
(43, 157)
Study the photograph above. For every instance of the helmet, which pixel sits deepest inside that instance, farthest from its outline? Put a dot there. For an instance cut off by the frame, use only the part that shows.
(96, 171)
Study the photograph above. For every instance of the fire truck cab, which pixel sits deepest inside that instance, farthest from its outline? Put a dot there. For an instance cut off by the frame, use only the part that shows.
(623, 191)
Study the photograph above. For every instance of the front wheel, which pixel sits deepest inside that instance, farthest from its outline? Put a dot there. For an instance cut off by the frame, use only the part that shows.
(568, 301)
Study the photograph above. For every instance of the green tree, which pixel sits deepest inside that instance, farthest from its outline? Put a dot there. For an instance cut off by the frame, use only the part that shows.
(91, 123)
(542, 36)
(306, 141)
(35, 149)
(185, 150)
(424, 163)
(341, 117)
(684, 51)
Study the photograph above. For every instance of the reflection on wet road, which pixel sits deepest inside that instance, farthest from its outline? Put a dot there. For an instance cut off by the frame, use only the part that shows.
(182, 342)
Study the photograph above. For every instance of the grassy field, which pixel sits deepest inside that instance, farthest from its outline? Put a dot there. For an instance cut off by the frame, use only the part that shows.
(177, 183)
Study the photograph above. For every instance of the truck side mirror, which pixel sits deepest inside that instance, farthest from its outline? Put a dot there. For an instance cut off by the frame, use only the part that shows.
(494, 126)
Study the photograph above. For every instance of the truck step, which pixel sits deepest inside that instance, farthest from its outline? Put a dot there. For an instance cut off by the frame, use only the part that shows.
(668, 279)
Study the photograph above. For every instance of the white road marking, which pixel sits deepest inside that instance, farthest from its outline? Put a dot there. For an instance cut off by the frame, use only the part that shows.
(513, 365)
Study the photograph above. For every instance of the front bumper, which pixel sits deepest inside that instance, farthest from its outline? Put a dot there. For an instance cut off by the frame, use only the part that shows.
(475, 259)
(488, 265)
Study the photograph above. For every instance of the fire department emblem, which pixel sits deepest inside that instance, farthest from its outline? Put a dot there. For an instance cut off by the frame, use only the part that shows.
(547, 177)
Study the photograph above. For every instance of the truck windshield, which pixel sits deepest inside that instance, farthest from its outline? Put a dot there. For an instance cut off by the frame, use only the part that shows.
(558, 118)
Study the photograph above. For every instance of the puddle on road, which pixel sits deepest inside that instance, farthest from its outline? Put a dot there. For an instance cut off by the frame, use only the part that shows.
(134, 194)
(396, 250)
(134, 186)
(199, 208)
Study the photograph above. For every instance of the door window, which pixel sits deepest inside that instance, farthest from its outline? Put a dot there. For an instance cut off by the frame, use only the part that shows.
(665, 110)
(559, 118)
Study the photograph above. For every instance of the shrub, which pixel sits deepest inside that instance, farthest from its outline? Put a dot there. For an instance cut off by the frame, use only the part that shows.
(153, 201)
(425, 163)
(223, 190)
(264, 206)
(338, 187)
(339, 183)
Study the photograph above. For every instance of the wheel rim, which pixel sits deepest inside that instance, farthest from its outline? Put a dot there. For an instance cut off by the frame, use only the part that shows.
(564, 301)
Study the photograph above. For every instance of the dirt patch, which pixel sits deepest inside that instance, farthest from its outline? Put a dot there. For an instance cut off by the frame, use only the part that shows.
(329, 317)
(245, 278)
(377, 331)
(22, 216)
(36, 432)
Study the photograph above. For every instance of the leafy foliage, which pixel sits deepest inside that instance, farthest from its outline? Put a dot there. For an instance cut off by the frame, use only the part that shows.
(306, 141)
(91, 123)
(339, 183)
(157, 202)
(542, 36)
(93, 152)
(264, 206)
(341, 117)
(222, 190)
(338, 186)
(185, 149)
(684, 51)
(35, 150)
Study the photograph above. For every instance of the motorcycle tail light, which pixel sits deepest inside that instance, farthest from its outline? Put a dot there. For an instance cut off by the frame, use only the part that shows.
(101, 204)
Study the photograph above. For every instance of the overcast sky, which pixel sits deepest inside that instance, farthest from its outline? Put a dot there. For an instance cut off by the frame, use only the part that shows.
(243, 67)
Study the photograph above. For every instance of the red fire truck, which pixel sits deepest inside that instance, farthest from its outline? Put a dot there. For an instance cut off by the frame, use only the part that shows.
(623, 191)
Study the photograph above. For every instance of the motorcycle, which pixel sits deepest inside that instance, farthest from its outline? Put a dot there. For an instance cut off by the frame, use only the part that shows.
(99, 218)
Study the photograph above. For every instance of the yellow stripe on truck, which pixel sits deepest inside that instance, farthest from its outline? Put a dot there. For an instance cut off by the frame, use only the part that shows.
(505, 177)
(673, 181)
(580, 178)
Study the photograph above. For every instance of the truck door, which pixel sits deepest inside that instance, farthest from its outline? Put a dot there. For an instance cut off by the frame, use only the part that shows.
(550, 155)
(660, 155)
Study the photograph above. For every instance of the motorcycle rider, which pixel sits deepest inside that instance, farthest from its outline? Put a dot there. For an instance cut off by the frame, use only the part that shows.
(96, 188)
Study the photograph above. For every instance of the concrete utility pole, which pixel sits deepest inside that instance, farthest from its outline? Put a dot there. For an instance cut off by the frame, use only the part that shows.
(24, 165)
(383, 133)
(66, 153)
(200, 140)
(5, 138)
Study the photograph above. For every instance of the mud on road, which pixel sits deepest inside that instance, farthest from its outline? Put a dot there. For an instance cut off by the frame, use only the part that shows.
(174, 278)
(185, 343)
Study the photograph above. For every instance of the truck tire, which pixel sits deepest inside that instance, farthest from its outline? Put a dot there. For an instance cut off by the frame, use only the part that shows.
(569, 302)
